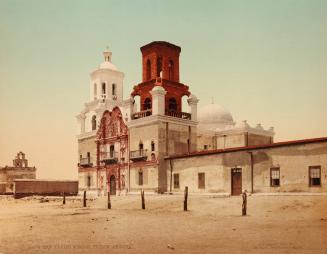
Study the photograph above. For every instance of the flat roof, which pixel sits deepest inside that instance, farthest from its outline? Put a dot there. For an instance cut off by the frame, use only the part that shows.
(43, 180)
(249, 148)
(160, 43)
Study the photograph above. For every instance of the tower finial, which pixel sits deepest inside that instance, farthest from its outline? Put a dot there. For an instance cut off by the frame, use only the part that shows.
(107, 54)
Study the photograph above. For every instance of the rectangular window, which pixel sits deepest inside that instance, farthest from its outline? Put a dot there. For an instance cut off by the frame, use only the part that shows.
(140, 178)
(176, 181)
(201, 180)
(274, 177)
(88, 157)
(205, 147)
(88, 181)
(314, 176)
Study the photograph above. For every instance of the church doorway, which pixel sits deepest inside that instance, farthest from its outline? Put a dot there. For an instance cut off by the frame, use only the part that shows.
(236, 181)
(112, 185)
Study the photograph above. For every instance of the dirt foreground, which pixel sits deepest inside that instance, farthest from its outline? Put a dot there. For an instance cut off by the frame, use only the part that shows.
(274, 224)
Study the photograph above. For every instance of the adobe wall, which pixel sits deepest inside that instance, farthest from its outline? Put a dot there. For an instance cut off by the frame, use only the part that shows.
(206, 139)
(217, 169)
(44, 187)
(9, 174)
(293, 161)
(255, 139)
(83, 178)
(150, 178)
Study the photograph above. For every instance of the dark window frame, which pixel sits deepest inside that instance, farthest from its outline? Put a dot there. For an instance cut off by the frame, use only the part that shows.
(103, 88)
(94, 122)
(201, 180)
(176, 181)
(88, 183)
(113, 86)
(141, 146)
(88, 155)
(311, 179)
(274, 182)
(112, 150)
(140, 178)
(153, 146)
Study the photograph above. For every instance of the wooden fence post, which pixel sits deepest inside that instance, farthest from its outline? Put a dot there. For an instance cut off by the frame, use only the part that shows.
(142, 197)
(109, 201)
(244, 196)
(185, 198)
(63, 198)
(84, 199)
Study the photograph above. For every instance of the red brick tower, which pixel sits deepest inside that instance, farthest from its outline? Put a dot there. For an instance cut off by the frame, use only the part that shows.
(160, 61)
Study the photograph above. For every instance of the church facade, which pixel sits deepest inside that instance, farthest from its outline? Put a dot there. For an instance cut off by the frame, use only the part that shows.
(159, 141)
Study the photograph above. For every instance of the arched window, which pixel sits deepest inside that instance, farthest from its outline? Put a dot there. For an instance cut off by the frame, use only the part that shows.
(140, 177)
(88, 181)
(172, 105)
(113, 89)
(147, 104)
(95, 90)
(141, 146)
(94, 123)
(103, 88)
(159, 66)
(171, 70)
(148, 70)
(112, 151)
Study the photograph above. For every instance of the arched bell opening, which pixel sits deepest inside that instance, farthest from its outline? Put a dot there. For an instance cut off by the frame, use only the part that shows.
(172, 105)
(147, 105)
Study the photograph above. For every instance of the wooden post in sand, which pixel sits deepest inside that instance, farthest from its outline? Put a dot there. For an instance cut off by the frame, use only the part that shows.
(84, 199)
(244, 196)
(109, 201)
(63, 198)
(185, 198)
(142, 198)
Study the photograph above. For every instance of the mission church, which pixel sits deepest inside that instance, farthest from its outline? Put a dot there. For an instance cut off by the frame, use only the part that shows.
(150, 141)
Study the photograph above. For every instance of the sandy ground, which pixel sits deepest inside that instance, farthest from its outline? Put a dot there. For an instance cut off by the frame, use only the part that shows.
(274, 224)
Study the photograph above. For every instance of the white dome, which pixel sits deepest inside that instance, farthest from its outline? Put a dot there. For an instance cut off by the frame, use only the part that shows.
(214, 114)
(108, 65)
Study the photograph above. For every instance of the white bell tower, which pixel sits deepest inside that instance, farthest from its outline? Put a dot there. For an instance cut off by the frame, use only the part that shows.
(107, 81)
(106, 92)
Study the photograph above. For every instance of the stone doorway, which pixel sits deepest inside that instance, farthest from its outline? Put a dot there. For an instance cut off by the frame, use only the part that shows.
(236, 181)
(112, 185)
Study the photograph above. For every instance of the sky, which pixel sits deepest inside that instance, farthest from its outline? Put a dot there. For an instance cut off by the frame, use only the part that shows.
(263, 60)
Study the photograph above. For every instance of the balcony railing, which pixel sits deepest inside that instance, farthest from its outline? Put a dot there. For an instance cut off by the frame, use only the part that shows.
(85, 162)
(182, 115)
(142, 114)
(109, 157)
(148, 112)
(138, 155)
